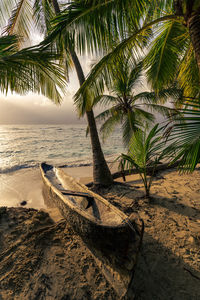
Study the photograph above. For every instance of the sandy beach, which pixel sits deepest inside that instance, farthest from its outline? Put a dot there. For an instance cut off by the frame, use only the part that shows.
(41, 258)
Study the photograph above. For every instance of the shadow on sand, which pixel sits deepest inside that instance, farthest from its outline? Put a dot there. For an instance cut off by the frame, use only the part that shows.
(169, 264)
(161, 275)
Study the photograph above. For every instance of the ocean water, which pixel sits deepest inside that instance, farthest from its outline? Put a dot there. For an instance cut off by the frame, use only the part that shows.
(26, 146)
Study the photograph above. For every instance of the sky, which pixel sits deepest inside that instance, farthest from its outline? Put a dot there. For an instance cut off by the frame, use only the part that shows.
(36, 109)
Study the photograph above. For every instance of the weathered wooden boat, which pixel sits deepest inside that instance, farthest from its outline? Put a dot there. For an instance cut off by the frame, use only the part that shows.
(112, 237)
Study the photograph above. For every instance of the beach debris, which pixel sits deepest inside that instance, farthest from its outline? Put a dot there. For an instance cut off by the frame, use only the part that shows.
(23, 203)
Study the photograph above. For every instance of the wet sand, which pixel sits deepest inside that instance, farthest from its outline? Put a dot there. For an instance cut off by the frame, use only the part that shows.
(22, 185)
(26, 185)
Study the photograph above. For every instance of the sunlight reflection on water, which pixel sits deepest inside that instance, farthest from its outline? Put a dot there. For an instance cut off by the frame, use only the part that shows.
(24, 146)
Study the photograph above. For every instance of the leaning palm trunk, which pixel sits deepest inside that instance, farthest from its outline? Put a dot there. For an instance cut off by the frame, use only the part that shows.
(101, 172)
(193, 24)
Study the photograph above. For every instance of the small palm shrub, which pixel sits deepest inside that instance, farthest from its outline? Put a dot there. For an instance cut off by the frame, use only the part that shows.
(146, 151)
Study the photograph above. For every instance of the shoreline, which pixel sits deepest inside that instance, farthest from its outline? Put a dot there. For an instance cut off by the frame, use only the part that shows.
(26, 185)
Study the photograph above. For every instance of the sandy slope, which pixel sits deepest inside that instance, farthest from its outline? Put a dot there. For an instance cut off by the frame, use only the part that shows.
(40, 259)
(169, 266)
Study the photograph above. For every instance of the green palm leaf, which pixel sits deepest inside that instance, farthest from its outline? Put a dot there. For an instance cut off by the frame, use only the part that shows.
(134, 42)
(112, 120)
(6, 7)
(104, 100)
(164, 57)
(162, 96)
(130, 125)
(185, 137)
(21, 18)
(146, 149)
(188, 75)
(103, 21)
(31, 69)
(114, 111)
(123, 76)
(143, 115)
(43, 14)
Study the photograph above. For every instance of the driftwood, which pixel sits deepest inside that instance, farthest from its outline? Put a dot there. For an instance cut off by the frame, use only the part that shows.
(125, 173)
(149, 170)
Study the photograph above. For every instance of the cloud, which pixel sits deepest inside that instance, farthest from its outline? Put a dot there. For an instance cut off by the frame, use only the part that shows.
(36, 109)
(33, 109)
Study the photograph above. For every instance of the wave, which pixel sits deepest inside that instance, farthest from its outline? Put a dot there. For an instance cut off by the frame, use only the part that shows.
(83, 162)
(75, 164)
(15, 168)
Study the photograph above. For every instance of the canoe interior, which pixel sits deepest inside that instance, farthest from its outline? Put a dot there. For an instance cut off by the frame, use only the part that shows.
(113, 239)
(94, 208)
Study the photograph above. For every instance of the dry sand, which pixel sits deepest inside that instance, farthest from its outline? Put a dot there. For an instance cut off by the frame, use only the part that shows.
(43, 259)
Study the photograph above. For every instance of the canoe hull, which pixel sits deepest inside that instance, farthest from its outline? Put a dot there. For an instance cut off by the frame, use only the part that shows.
(115, 247)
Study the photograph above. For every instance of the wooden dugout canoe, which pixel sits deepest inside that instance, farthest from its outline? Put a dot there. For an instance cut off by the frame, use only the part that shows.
(112, 237)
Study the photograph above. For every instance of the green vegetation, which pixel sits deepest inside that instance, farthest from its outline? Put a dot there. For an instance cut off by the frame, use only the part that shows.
(31, 69)
(184, 137)
(169, 32)
(146, 151)
(127, 107)
(169, 29)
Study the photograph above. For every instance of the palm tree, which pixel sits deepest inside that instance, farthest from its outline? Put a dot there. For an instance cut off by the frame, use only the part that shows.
(31, 69)
(174, 28)
(101, 172)
(146, 150)
(174, 50)
(125, 104)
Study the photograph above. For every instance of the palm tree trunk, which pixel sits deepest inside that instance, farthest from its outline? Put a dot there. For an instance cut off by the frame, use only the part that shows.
(101, 172)
(193, 24)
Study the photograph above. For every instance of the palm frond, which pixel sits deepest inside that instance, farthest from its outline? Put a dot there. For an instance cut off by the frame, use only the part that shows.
(8, 45)
(185, 136)
(109, 125)
(129, 126)
(6, 7)
(146, 147)
(104, 100)
(103, 21)
(135, 77)
(168, 112)
(163, 59)
(31, 69)
(134, 42)
(114, 111)
(188, 74)
(143, 115)
(161, 97)
(20, 21)
(43, 14)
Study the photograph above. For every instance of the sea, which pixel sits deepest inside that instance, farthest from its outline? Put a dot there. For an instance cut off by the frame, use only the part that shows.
(26, 146)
